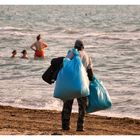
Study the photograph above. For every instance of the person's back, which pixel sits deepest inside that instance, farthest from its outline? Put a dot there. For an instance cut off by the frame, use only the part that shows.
(85, 59)
(39, 47)
(83, 55)
(82, 102)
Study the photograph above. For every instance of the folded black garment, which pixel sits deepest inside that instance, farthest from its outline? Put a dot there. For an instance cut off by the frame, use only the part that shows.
(51, 73)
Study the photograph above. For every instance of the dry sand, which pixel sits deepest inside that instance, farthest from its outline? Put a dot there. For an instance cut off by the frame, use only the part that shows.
(19, 121)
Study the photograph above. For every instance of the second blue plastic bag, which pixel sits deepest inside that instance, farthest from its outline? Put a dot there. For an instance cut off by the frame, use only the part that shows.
(72, 81)
(99, 98)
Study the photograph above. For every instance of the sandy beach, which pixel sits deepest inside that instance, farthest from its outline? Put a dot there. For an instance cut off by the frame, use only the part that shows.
(19, 121)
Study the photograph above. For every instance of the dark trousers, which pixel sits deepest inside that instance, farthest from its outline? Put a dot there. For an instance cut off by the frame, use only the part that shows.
(66, 112)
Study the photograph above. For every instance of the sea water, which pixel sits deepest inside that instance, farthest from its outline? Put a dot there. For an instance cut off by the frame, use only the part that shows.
(111, 35)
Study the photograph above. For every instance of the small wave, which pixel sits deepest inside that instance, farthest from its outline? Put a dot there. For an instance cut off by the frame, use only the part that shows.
(16, 31)
(13, 78)
(91, 34)
(58, 28)
(10, 28)
(111, 38)
(119, 30)
(70, 31)
(19, 33)
(129, 100)
(136, 30)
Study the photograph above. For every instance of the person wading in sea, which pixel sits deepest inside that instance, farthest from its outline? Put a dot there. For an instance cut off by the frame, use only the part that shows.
(14, 52)
(24, 54)
(38, 47)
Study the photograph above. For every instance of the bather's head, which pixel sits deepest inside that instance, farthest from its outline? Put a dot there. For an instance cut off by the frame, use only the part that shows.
(38, 37)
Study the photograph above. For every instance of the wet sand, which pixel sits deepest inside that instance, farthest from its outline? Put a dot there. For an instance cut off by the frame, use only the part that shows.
(19, 121)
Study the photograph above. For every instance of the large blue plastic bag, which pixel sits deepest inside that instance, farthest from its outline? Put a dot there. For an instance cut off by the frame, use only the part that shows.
(99, 98)
(72, 81)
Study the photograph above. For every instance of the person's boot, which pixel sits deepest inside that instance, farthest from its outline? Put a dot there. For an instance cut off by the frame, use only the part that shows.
(65, 126)
(80, 128)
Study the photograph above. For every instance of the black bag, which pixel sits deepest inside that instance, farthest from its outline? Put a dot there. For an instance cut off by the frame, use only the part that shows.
(47, 76)
(51, 73)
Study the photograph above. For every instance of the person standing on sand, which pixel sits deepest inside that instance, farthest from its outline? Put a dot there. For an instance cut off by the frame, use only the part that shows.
(82, 102)
(38, 47)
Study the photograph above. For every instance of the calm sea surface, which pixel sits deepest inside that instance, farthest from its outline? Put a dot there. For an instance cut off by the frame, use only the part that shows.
(111, 35)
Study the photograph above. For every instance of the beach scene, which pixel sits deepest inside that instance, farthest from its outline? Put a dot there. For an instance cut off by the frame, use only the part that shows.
(111, 36)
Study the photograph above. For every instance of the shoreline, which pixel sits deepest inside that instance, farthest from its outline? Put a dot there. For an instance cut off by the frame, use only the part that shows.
(23, 121)
(95, 113)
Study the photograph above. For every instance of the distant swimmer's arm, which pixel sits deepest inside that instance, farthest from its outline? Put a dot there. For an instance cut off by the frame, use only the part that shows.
(32, 47)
